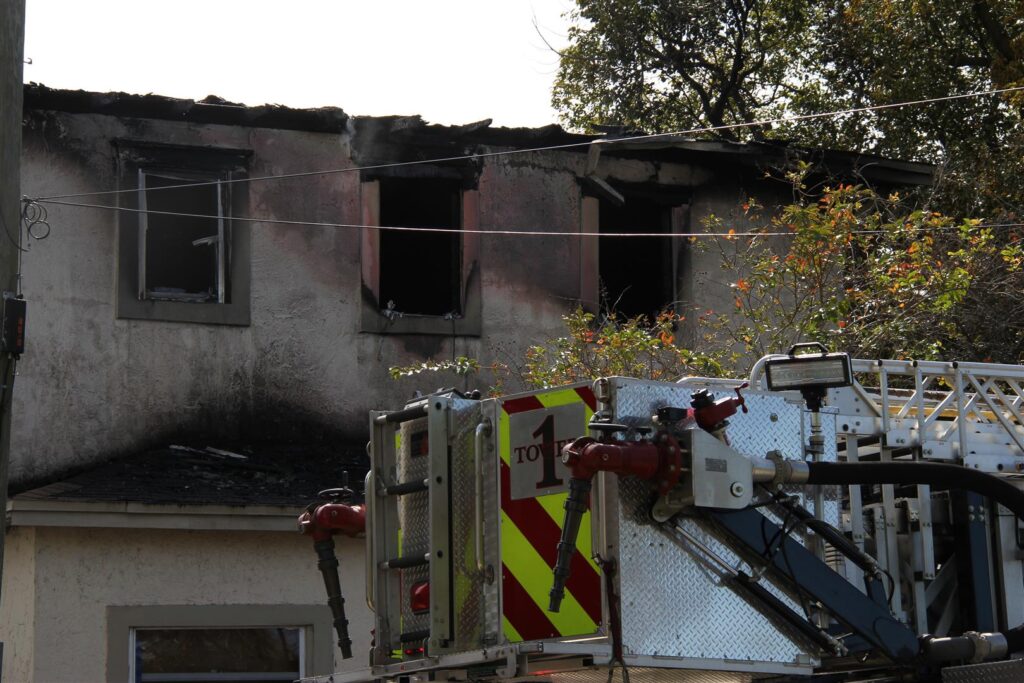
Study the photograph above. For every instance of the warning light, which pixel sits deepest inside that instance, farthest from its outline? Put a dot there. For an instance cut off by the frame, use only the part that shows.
(419, 597)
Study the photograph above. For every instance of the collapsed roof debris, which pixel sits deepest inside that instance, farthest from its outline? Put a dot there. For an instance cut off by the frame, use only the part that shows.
(264, 474)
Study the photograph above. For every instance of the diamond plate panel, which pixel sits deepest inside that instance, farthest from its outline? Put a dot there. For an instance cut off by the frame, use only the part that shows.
(1011, 671)
(413, 516)
(692, 615)
(467, 583)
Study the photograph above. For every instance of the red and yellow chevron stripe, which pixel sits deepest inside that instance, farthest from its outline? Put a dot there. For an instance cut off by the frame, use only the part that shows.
(530, 531)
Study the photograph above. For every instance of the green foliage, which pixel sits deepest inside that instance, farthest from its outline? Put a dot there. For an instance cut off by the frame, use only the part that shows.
(876, 275)
(591, 347)
(872, 276)
(461, 366)
(609, 346)
(669, 65)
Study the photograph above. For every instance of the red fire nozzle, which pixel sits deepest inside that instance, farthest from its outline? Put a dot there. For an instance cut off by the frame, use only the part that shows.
(322, 522)
(659, 461)
(710, 414)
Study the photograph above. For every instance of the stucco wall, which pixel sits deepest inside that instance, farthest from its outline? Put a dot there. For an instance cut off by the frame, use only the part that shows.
(116, 384)
(302, 367)
(17, 605)
(719, 206)
(78, 573)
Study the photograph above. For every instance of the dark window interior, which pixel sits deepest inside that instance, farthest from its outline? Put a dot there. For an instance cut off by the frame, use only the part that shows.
(175, 267)
(420, 272)
(217, 654)
(636, 272)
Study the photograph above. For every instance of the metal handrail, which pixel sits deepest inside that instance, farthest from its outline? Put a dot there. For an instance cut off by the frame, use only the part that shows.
(482, 430)
(370, 492)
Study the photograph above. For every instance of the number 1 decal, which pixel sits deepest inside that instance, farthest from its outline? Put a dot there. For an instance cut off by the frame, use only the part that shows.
(546, 432)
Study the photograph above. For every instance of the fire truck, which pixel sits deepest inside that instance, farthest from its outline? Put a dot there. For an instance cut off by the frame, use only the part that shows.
(824, 519)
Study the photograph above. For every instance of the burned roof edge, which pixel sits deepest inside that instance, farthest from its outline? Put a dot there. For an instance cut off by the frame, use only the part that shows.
(413, 131)
(211, 109)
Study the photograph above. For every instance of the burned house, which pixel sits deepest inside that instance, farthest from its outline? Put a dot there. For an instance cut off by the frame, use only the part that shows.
(214, 275)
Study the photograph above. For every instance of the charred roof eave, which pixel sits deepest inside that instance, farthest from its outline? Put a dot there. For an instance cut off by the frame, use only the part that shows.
(827, 163)
(391, 139)
(209, 110)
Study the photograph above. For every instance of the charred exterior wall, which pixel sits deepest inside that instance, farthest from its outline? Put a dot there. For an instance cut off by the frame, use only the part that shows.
(306, 364)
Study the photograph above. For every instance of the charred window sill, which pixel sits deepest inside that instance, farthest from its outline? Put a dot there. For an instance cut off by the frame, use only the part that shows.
(379, 321)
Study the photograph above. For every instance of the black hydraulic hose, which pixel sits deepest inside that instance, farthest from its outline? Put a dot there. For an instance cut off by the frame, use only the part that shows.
(937, 475)
(832, 536)
(575, 506)
(328, 566)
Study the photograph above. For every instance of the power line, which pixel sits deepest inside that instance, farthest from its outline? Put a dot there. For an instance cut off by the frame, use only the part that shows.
(485, 155)
(504, 232)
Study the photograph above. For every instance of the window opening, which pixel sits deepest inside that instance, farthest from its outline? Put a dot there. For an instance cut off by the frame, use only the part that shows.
(212, 655)
(421, 272)
(636, 272)
(182, 258)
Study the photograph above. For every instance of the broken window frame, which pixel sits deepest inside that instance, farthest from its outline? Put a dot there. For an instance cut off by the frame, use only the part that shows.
(220, 241)
(197, 164)
(376, 318)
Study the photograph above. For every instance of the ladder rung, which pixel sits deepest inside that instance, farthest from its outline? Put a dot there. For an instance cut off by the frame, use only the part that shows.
(405, 415)
(406, 562)
(414, 636)
(407, 487)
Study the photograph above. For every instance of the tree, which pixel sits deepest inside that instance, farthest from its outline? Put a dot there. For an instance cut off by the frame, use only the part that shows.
(664, 65)
(658, 65)
(872, 276)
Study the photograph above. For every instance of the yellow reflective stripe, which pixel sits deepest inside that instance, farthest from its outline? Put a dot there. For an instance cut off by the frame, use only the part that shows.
(552, 399)
(511, 634)
(554, 505)
(534, 574)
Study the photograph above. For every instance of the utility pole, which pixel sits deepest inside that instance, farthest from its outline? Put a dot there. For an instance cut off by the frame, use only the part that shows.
(12, 55)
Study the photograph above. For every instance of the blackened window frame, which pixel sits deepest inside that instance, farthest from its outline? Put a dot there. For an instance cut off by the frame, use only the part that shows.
(221, 243)
(135, 158)
(674, 201)
(375, 317)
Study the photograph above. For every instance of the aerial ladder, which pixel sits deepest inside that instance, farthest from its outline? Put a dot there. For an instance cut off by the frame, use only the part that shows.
(824, 519)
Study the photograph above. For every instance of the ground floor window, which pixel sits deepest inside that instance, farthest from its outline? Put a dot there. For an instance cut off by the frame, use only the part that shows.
(179, 655)
(214, 643)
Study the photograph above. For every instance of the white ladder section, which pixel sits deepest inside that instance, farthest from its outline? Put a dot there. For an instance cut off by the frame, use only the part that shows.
(967, 411)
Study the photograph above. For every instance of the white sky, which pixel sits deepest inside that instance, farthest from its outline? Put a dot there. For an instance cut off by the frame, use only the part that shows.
(452, 61)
